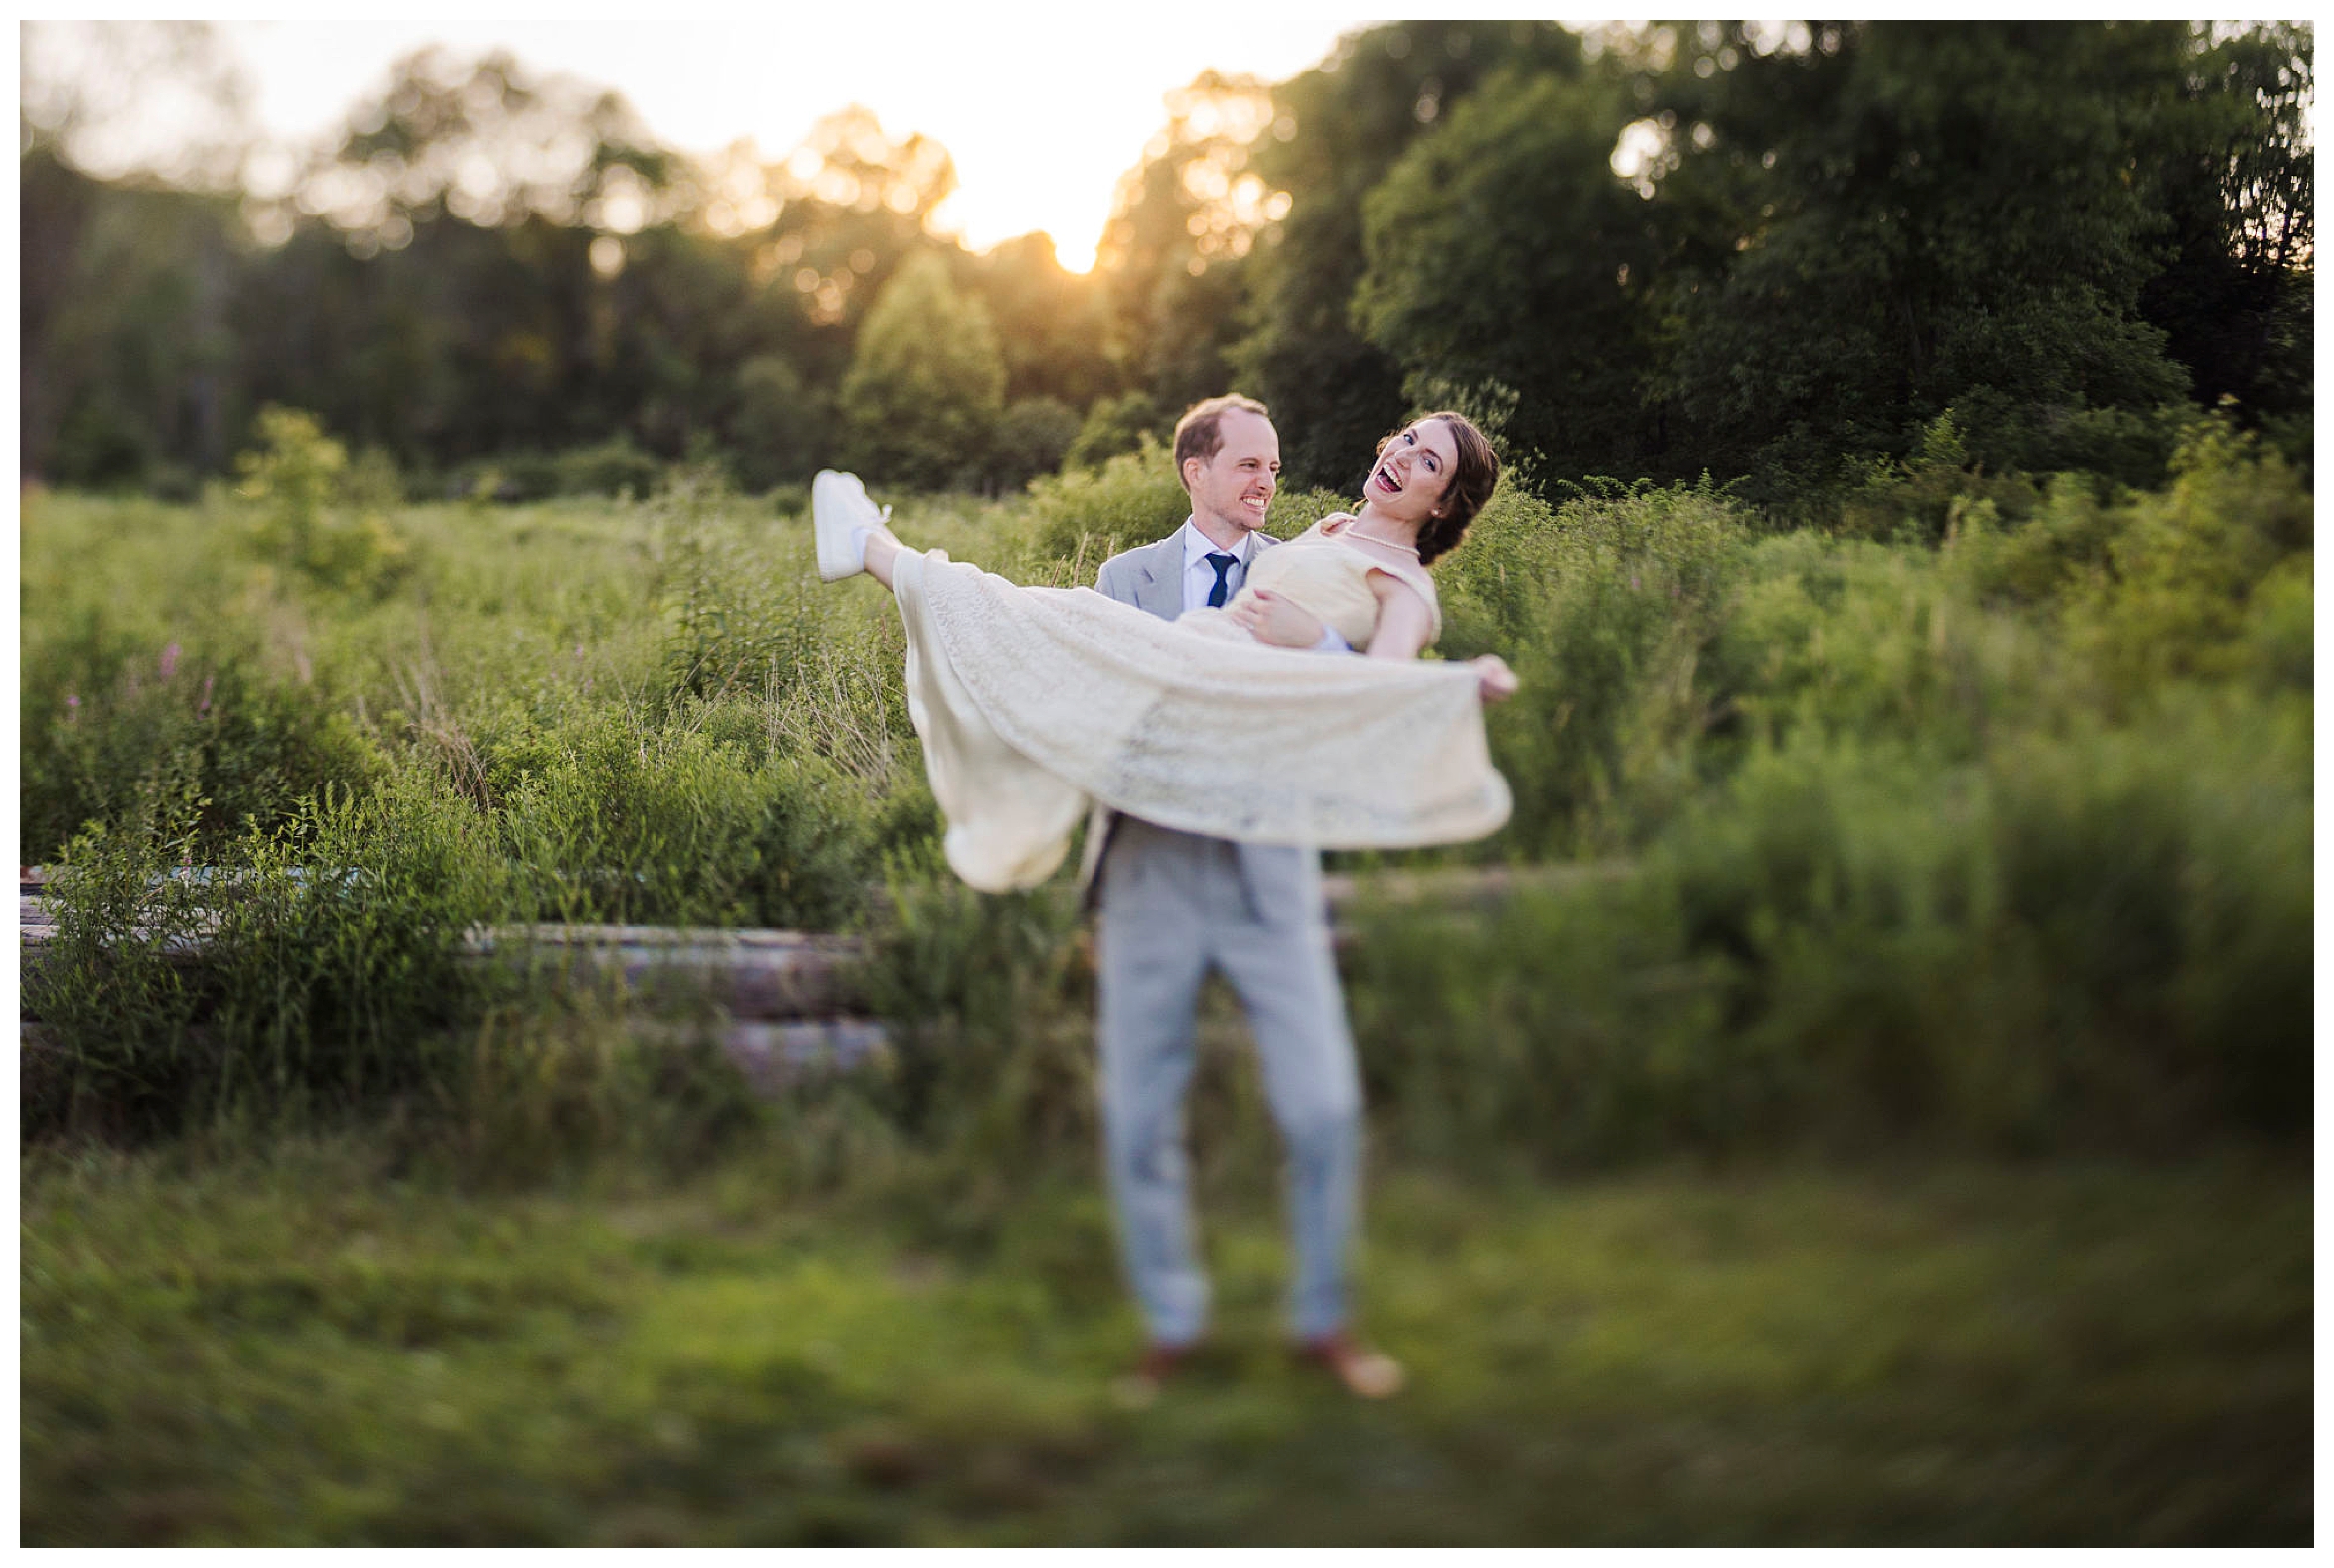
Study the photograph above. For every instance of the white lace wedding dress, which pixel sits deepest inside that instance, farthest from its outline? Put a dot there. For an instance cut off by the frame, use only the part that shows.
(1032, 702)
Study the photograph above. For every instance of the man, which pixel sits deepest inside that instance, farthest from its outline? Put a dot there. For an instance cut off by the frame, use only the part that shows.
(1175, 905)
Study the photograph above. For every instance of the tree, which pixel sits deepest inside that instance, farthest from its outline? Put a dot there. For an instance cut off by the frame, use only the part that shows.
(927, 384)
(781, 428)
(1050, 322)
(1508, 268)
(1334, 132)
(1174, 254)
(1911, 217)
(490, 143)
(1031, 439)
(2235, 303)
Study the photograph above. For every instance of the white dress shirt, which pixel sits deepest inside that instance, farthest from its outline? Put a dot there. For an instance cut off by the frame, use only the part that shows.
(1199, 573)
(1199, 578)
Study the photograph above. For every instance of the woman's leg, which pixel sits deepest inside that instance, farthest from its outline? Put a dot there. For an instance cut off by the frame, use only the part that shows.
(882, 551)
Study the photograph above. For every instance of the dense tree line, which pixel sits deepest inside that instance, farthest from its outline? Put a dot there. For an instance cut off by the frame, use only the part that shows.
(1782, 251)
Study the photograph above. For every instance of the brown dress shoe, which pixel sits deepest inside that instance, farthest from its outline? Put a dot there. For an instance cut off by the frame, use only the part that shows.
(1366, 1373)
(1139, 1389)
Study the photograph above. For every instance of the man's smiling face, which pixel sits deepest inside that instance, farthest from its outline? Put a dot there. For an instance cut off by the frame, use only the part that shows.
(1235, 486)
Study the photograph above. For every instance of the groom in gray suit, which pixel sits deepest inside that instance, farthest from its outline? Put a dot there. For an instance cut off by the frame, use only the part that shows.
(1174, 906)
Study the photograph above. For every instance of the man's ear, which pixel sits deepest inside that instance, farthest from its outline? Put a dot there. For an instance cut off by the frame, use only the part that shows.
(1187, 463)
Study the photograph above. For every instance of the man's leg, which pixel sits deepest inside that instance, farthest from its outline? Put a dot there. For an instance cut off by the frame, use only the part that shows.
(1152, 959)
(1278, 960)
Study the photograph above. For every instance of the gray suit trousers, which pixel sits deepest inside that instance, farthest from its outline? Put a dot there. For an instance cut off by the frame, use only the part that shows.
(1172, 906)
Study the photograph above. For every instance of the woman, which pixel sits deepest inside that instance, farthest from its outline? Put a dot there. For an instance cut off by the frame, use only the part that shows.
(1032, 701)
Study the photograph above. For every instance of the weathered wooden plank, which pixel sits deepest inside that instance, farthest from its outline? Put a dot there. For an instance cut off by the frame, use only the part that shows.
(758, 975)
(1433, 884)
(1469, 885)
(770, 1055)
(776, 1055)
(779, 975)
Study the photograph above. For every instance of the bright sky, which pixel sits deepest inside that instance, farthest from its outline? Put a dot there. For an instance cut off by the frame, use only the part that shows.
(1042, 113)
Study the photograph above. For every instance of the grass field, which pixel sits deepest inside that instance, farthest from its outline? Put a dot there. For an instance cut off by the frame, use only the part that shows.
(296, 1348)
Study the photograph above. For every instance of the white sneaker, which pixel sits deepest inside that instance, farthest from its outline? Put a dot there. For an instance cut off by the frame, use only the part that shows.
(842, 517)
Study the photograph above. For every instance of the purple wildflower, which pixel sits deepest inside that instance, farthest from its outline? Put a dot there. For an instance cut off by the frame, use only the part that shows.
(170, 660)
(205, 705)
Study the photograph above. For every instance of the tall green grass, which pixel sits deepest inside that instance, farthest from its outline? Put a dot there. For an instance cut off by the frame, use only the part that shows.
(1989, 828)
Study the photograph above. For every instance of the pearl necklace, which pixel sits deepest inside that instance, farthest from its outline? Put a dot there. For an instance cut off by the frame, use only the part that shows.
(1355, 529)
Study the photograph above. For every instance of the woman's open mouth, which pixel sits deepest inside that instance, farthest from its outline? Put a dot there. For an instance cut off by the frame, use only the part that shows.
(1385, 475)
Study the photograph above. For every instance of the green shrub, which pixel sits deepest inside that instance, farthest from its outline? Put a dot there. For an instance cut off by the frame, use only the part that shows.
(1565, 1027)
(1603, 607)
(1090, 514)
(2177, 597)
(668, 826)
(1918, 497)
(300, 481)
(116, 1049)
(991, 1012)
(253, 745)
(1115, 425)
(314, 971)
(613, 467)
(1032, 437)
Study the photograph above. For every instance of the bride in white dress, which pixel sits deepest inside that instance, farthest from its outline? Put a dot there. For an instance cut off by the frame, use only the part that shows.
(1032, 703)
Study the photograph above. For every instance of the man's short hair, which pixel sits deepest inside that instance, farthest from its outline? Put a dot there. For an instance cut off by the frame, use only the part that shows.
(1200, 433)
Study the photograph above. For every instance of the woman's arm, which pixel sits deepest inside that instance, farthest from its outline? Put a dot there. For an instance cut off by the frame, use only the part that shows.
(1406, 624)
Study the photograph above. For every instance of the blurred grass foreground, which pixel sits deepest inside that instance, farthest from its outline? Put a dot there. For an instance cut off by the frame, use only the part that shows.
(1907, 1142)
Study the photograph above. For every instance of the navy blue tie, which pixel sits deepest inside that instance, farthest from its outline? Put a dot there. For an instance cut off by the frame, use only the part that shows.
(1224, 565)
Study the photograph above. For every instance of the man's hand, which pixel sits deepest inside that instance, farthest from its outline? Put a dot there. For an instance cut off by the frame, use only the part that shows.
(1493, 681)
(1269, 618)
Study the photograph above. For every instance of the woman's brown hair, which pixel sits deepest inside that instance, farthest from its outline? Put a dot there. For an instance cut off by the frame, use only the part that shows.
(1473, 478)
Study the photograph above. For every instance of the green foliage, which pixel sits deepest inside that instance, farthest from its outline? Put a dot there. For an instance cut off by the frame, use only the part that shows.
(1913, 236)
(115, 1051)
(1050, 323)
(1603, 607)
(927, 386)
(612, 468)
(1337, 129)
(2180, 595)
(1999, 842)
(301, 479)
(107, 717)
(326, 965)
(609, 822)
(1033, 437)
(1092, 513)
(1930, 489)
(987, 997)
(783, 426)
(1117, 424)
(1521, 168)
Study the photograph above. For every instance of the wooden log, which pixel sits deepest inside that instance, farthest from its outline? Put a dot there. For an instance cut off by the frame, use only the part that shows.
(775, 1055)
(772, 1057)
(1428, 885)
(751, 974)
(777, 975)
(1479, 886)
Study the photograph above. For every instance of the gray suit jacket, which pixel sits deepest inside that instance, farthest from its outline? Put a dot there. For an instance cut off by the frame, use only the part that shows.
(1149, 577)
